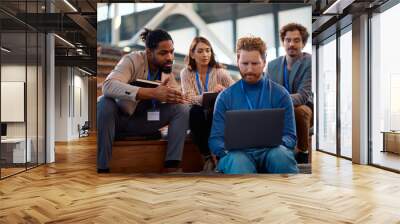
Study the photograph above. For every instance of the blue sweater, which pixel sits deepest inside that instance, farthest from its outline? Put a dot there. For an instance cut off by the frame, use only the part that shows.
(233, 98)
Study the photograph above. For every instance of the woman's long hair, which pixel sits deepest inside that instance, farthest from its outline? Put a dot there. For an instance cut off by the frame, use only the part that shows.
(191, 63)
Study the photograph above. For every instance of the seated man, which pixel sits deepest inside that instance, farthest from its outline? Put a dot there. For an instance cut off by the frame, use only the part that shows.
(293, 71)
(254, 92)
(126, 108)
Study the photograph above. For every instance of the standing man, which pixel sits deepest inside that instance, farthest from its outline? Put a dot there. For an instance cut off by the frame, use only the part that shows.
(253, 92)
(126, 109)
(293, 71)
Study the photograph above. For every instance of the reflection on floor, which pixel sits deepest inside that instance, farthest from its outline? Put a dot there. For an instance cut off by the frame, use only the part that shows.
(387, 159)
(11, 169)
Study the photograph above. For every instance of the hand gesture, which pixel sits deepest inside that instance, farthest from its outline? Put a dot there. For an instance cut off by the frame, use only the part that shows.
(218, 88)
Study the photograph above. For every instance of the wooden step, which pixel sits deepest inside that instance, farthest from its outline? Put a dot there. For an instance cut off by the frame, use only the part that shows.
(147, 156)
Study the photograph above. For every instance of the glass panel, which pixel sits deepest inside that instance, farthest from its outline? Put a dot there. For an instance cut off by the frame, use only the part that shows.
(41, 98)
(13, 85)
(385, 84)
(346, 94)
(327, 97)
(314, 90)
(31, 98)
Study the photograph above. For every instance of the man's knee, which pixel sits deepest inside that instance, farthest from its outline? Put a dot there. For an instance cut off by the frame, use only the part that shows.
(280, 153)
(181, 110)
(237, 157)
(303, 112)
(236, 162)
(106, 106)
(281, 160)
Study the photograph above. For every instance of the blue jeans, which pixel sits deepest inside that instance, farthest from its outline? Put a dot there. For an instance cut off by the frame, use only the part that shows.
(265, 160)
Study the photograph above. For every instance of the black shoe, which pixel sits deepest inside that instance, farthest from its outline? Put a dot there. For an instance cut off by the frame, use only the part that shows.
(301, 157)
(103, 170)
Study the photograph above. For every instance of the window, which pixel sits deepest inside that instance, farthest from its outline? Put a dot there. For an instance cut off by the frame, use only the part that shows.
(105, 12)
(223, 30)
(182, 39)
(265, 23)
(327, 96)
(346, 94)
(385, 84)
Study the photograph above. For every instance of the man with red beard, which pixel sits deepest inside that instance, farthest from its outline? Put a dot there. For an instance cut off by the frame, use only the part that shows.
(129, 110)
(253, 92)
(293, 71)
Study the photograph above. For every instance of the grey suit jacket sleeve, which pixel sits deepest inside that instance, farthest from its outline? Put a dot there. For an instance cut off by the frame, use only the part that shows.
(304, 92)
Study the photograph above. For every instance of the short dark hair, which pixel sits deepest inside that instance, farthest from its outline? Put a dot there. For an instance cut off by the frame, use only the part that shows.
(151, 38)
(292, 27)
(192, 63)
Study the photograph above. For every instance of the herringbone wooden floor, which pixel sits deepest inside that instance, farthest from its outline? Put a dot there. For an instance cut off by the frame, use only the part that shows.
(70, 191)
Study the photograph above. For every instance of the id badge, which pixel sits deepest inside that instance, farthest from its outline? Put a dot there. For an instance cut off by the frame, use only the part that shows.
(153, 115)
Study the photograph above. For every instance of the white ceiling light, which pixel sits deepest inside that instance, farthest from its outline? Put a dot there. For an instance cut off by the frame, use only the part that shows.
(5, 50)
(65, 41)
(70, 5)
(338, 6)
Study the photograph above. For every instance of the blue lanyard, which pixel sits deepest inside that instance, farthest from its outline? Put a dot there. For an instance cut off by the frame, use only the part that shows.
(153, 102)
(205, 84)
(285, 77)
(260, 100)
(149, 75)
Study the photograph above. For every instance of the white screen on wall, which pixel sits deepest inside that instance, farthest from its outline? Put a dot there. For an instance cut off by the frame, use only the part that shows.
(12, 101)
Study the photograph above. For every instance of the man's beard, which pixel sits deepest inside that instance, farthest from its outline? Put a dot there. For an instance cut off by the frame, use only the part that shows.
(166, 69)
(253, 75)
(295, 52)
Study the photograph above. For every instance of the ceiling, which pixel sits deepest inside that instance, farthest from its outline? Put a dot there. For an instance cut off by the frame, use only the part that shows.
(73, 20)
(330, 15)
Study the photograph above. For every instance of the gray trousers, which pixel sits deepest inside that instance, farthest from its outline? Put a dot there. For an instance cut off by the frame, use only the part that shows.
(111, 121)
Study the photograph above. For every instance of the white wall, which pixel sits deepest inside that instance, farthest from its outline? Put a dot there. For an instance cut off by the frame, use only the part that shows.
(71, 94)
(17, 73)
(61, 103)
(33, 127)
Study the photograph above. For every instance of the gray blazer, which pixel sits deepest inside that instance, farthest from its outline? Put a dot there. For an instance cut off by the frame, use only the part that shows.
(299, 78)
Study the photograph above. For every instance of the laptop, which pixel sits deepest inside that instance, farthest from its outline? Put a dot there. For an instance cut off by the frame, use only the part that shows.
(253, 128)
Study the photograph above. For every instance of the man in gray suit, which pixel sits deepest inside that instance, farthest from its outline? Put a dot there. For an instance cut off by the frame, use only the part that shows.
(293, 71)
(126, 109)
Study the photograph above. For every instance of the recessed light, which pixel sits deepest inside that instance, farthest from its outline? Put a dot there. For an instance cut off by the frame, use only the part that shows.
(5, 49)
(64, 40)
(70, 5)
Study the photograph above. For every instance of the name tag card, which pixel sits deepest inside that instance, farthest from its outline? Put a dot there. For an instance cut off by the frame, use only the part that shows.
(153, 115)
